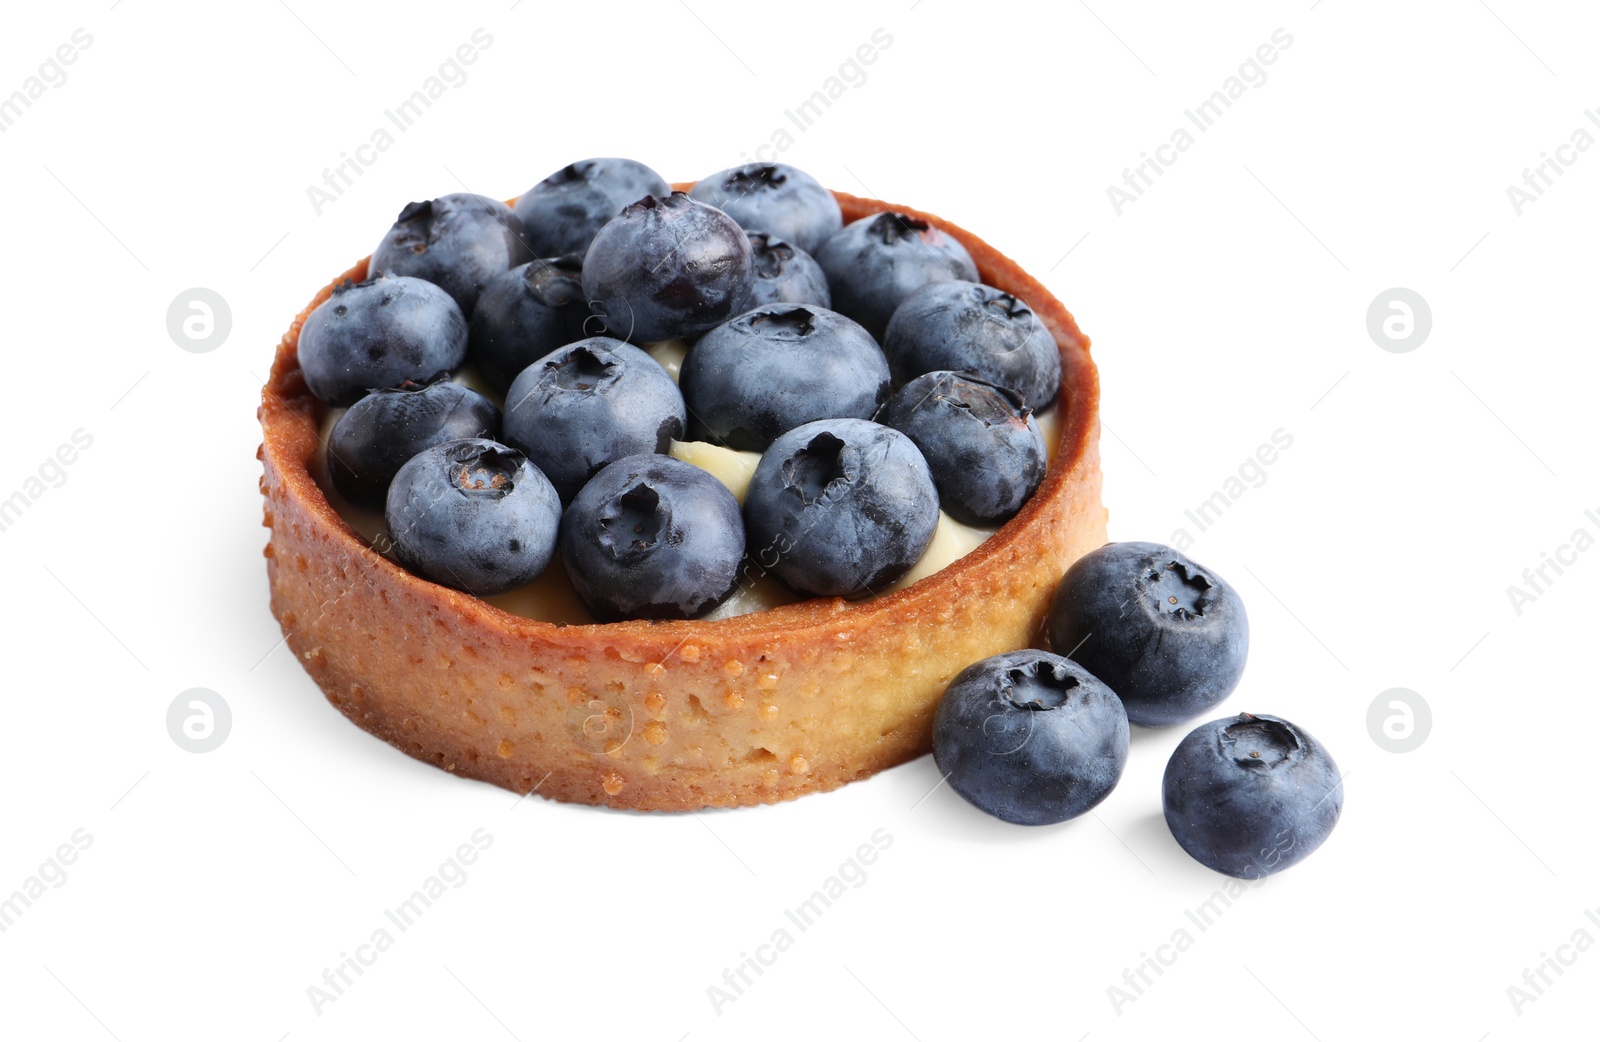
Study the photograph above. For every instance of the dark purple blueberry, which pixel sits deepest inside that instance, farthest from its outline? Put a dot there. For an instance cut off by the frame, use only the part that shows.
(378, 434)
(1167, 635)
(1251, 795)
(562, 213)
(783, 273)
(775, 198)
(652, 537)
(776, 367)
(526, 313)
(1030, 737)
(588, 404)
(458, 241)
(979, 330)
(667, 266)
(982, 444)
(840, 508)
(875, 263)
(382, 332)
(473, 515)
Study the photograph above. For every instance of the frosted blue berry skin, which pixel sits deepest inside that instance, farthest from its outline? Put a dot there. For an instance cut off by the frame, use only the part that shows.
(840, 508)
(562, 213)
(1030, 737)
(1168, 635)
(874, 264)
(783, 273)
(775, 198)
(459, 242)
(524, 314)
(775, 367)
(983, 445)
(1251, 795)
(379, 434)
(383, 332)
(652, 537)
(588, 404)
(667, 266)
(474, 515)
(977, 329)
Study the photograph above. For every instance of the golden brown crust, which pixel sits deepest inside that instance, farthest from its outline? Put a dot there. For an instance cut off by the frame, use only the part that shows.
(668, 715)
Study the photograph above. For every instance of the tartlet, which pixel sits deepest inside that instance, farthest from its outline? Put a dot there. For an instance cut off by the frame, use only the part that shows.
(680, 715)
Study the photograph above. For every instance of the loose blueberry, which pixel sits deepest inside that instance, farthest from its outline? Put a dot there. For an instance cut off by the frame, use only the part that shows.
(875, 263)
(380, 333)
(776, 367)
(977, 329)
(840, 508)
(667, 266)
(474, 515)
(982, 444)
(588, 404)
(380, 433)
(562, 213)
(1030, 737)
(1168, 636)
(526, 313)
(458, 241)
(652, 537)
(1251, 795)
(774, 198)
(783, 273)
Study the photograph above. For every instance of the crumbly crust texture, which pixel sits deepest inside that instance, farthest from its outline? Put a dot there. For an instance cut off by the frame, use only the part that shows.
(665, 716)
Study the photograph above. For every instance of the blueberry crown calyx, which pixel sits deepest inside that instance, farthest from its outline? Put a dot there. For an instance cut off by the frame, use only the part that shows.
(1028, 687)
(1259, 744)
(894, 227)
(413, 211)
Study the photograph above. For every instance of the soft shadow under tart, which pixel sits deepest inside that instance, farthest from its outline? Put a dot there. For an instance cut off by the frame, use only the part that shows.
(752, 709)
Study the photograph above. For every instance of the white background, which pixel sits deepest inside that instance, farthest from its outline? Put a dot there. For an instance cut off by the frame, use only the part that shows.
(1226, 303)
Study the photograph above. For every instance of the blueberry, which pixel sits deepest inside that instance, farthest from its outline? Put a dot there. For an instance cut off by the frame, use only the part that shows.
(382, 431)
(840, 508)
(1030, 737)
(976, 329)
(524, 314)
(667, 266)
(877, 262)
(652, 537)
(774, 198)
(982, 444)
(1168, 636)
(562, 213)
(380, 333)
(783, 273)
(776, 367)
(1251, 795)
(473, 515)
(457, 241)
(588, 404)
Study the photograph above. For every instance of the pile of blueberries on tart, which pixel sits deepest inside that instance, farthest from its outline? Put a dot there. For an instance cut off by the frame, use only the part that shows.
(695, 382)
(613, 401)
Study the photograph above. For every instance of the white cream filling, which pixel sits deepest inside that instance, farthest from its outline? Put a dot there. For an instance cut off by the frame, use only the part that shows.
(551, 597)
